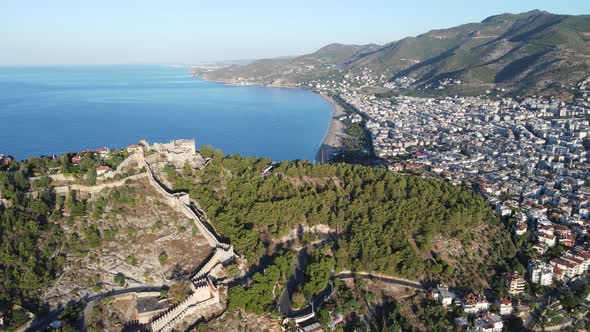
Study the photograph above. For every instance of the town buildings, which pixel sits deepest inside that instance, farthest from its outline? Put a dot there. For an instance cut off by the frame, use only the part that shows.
(5, 160)
(515, 283)
(528, 156)
(100, 170)
(505, 306)
(540, 273)
(443, 295)
(473, 304)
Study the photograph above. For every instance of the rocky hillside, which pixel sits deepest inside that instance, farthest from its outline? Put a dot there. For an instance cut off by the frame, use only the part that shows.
(532, 52)
(124, 236)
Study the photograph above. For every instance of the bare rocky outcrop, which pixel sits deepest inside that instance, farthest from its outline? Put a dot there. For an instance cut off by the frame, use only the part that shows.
(133, 237)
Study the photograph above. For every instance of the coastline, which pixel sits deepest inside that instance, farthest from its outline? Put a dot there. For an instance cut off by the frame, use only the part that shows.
(332, 142)
(248, 83)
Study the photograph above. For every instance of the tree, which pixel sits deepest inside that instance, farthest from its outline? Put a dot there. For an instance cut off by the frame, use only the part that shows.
(178, 292)
(91, 176)
(163, 257)
(217, 154)
(131, 260)
(65, 163)
(43, 182)
(92, 235)
(187, 170)
(119, 279)
(298, 299)
(232, 271)
(206, 151)
(259, 297)
(318, 273)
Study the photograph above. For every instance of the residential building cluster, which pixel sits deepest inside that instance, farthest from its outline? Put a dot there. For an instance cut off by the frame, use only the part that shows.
(529, 157)
(102, 153)
(476, 305)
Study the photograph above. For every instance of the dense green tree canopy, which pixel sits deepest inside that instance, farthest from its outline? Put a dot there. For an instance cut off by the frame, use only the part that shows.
(385, 222)
(28, 241)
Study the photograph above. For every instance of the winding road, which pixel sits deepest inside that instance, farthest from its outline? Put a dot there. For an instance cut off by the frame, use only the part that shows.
(284, 305)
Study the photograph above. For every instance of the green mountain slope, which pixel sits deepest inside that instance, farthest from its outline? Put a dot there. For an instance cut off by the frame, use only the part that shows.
(290, 71)
(532, 52)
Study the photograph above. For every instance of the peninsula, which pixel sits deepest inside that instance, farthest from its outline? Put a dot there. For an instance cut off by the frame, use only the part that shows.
(160, 238)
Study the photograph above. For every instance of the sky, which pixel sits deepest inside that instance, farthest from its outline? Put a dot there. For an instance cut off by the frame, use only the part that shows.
(62, 32)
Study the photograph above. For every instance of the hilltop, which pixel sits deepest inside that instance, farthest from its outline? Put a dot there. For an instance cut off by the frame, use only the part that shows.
(121, 241)
(526, 53)
(110, 245)
(372, 219)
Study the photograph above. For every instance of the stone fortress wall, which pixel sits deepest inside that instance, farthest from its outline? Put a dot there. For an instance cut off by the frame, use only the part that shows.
(181, 202)
(205, 294)
(204, 298)
(177, 152)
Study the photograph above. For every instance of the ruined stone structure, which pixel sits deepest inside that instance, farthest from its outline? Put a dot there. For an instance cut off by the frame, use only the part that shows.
(176, 147)
(177, 152)
(205, 294)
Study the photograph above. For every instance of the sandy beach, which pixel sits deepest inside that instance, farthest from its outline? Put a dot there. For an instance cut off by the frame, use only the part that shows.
(332, 142)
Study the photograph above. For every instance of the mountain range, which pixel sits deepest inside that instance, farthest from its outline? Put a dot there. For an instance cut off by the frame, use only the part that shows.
(528, 53)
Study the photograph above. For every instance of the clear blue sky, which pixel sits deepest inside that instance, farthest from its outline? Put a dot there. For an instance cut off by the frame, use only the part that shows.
(192, 31)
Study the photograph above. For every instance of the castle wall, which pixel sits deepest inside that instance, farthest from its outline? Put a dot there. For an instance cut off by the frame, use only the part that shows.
(205, 295)
(202, 298)
(180, 203)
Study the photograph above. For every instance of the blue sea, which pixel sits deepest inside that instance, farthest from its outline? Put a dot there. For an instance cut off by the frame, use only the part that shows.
(52, 110)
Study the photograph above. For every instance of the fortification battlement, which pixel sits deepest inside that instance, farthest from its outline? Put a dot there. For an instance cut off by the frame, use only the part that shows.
(178, 146)
(205, 295)
(222, 255)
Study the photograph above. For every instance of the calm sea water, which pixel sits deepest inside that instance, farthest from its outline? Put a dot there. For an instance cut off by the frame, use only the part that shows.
(51, 110)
